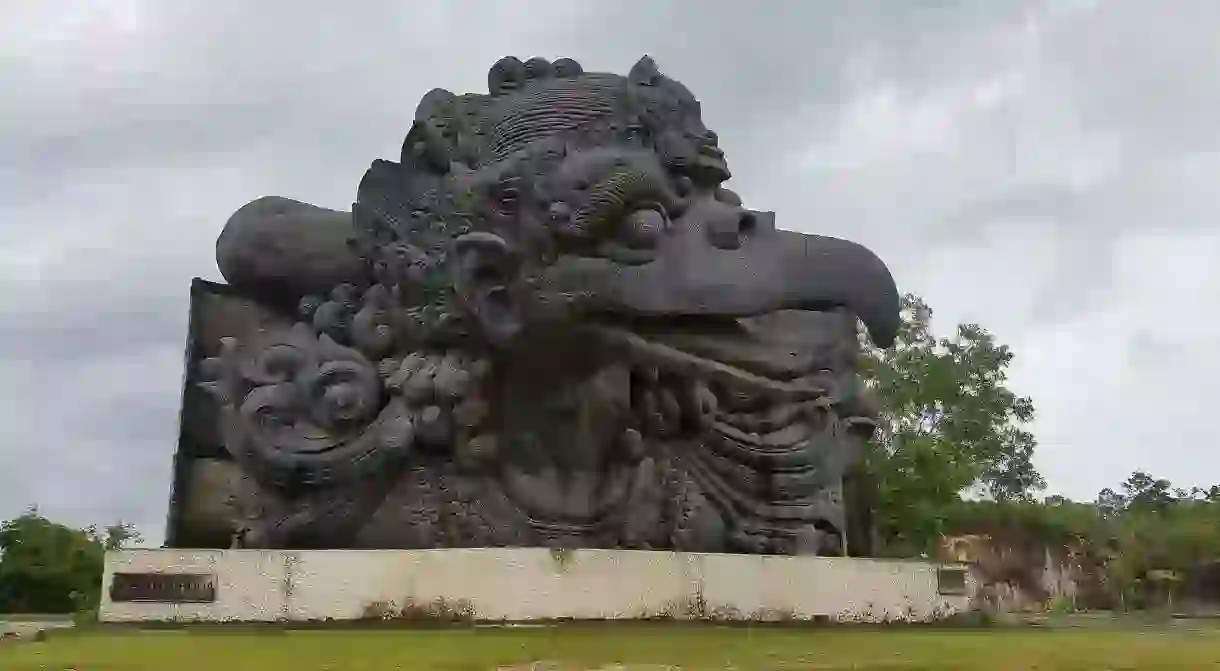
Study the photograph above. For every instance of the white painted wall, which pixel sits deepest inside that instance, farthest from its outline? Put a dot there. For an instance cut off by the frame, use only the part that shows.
(520, 584)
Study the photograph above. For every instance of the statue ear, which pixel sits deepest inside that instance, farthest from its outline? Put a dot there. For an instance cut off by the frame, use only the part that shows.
(483, 268)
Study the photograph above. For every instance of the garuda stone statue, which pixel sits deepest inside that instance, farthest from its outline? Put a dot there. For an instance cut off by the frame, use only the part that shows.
(547, 324)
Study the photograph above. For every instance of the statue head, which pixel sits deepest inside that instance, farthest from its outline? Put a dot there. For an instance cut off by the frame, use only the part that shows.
(566, 230)
(567, 195)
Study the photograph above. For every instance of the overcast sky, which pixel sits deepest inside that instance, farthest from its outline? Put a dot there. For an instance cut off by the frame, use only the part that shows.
(1049, 170)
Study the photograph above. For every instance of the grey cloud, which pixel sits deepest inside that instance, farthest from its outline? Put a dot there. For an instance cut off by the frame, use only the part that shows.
(1000, 155)
(95, 451)
(1146, 74)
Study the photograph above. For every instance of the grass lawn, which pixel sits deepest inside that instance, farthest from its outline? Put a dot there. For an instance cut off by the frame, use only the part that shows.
(591, 647)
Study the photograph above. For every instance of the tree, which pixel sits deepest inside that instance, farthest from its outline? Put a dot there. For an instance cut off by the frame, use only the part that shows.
(46, 567)
(115, 536)
(1110, 503)
(948, 423)
(1145, 492)
(1211, 494)
(1153, 526)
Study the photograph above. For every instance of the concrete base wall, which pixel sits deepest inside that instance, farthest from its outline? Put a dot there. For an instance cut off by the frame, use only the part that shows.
(522, 584)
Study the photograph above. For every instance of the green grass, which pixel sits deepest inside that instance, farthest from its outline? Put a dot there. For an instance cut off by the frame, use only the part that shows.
(25, 617)
(588, 647)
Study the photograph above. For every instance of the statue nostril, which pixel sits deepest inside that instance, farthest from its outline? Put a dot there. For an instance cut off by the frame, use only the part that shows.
(747, 224)
(732, 228)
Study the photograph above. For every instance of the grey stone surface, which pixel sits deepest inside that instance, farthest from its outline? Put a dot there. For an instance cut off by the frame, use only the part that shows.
(286, 246)
(561, 330)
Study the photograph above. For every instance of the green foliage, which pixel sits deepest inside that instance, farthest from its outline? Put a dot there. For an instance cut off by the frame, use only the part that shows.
(86, 618)
(949, 423)
(1178, 535)
(1054, 523)
(51, 568)
(1062, 606)
(115, 536)
(1128, 541)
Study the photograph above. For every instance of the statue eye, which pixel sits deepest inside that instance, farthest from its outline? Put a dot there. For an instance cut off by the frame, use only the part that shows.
(643, 228)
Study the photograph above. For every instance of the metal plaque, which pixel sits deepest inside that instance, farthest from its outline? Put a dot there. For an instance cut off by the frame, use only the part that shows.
(163, 587)
(951, 581)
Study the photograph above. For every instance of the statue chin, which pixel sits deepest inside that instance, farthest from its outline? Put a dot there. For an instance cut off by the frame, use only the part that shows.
(546, 324)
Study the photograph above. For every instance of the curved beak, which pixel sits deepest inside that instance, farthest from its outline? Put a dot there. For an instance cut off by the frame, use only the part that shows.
(696, 273)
